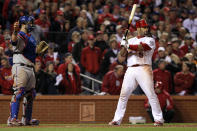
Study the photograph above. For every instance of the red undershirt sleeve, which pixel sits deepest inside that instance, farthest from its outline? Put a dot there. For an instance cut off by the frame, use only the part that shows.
(145, 46)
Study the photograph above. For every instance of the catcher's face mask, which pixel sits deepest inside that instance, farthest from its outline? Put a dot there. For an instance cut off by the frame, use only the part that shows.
(30, 24)
(28, 21)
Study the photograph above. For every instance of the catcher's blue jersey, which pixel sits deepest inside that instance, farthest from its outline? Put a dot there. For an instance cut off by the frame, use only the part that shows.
(29, 50)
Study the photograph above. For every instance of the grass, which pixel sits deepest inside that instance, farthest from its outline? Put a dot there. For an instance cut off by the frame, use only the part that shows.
(103, 127)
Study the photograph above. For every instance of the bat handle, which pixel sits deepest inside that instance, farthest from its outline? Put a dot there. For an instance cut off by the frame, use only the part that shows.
(127, 30)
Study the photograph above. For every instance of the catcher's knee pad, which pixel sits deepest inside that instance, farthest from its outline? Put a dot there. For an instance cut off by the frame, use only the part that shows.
(15, 101)
(28, 105)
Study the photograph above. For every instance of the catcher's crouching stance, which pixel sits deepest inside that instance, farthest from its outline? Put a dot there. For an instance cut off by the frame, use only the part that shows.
(25, 49)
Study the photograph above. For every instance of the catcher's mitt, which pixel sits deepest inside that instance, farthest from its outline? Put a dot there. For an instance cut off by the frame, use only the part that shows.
(41, 47)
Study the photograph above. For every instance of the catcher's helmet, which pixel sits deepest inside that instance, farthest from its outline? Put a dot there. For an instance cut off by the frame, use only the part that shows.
(27, 20)
(141, 24)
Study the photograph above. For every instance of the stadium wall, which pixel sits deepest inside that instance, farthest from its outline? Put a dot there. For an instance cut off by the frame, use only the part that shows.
(71, 109)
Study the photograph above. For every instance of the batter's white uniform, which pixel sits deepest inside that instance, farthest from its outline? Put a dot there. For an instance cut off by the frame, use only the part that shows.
(142, 75)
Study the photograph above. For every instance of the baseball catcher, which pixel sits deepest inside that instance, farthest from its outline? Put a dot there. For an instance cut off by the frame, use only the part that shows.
(24, 47)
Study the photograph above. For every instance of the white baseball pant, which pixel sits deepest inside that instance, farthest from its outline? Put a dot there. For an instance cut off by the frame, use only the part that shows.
(143, 76)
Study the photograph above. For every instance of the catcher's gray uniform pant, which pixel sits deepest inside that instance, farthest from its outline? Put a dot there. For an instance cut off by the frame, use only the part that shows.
(23, 77)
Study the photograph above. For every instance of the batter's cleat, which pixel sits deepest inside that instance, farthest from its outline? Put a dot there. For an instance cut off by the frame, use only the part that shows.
(113, 123)
(157, 123)
(14, 122)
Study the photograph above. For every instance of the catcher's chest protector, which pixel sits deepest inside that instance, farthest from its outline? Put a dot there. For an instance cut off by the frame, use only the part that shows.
(30, 46)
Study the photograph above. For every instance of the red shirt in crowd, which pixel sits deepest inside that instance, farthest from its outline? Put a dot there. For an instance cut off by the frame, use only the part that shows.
(185, 49)
(70, 46)
(183, 82)
(155, 54)
(71, 83)
(165, 77)
(62, 68)
(91, 59)
(101, 17)
(178, 52)
(44, 25)
(112, 83)
(6, 80)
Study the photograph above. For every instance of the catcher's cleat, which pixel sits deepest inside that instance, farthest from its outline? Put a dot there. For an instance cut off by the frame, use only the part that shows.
(32, 122)
(113, 123)
(157, 123)
(14, 122)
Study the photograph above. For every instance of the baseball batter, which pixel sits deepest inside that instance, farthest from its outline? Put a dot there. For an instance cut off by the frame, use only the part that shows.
(139, 50)
(24, 47)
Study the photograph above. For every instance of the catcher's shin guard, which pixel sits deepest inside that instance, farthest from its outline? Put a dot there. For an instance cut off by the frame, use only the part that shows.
(15, 102)
(28, 106)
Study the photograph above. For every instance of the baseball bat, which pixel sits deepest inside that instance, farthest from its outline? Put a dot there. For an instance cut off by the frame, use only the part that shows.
(130, 19)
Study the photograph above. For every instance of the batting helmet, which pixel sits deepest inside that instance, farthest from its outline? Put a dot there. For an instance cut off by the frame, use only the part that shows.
(141, 24)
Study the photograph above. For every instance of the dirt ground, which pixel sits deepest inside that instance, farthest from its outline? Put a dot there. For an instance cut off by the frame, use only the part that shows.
(105, 125)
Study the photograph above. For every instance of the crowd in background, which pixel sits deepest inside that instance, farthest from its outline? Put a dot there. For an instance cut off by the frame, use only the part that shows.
(84, 37)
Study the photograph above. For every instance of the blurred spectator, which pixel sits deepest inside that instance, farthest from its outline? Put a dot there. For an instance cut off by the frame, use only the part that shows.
(160, 55)
(7, 46)
(100, 42)
(153, 31)
(105, 15)
(119, 33)
(52, 56)
(41, 76)
(6, 80)
(43, 22)
(64, 44)
(161, 74)
(80, 45)
(191, 23)
(116, 12)
(184, 80)
(68, 11)
(74, 39)
(182, 33)
(78, 28)
(191, 60)
(112, 81)
(165, 101)
(38, 33)
(91, 60)
(6, 43)
(57, 27)
(51, 78)
(120, 61)
(160, 28)
(188, 45)
(68, 58)
(109, 57)
(83, 14)
(175, 47)
(71, 80)
(91, 13)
